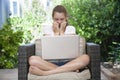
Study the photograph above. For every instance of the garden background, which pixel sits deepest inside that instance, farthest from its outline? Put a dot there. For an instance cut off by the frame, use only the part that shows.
(96, 20)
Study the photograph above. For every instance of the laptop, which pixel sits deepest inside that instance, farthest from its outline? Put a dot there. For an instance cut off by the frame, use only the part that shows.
(60, 47)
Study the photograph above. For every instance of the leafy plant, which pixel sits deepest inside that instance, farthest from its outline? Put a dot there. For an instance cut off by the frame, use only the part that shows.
(96, 20)
(114, 54)
(30, 21)
(9, 42)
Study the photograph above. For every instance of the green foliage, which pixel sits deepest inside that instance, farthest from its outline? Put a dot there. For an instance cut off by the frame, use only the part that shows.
(9, 42)
(96, 20)
(114, 55)
(20, 30)
(80, 16)
(22, 24)
(30, 22)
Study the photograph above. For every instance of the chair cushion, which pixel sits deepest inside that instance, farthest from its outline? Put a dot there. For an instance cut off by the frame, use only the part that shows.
(84, 75)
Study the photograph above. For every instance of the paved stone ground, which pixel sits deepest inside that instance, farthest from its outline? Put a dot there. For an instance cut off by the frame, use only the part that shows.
(8, 74)
(12, 74)
(103, 77)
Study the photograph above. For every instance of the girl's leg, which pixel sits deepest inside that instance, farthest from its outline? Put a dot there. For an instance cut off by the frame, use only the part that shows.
(73, 65)
(36, 61)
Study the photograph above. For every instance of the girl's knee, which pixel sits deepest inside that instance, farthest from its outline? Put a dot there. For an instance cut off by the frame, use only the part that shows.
(33, 60)
(31, 57)
(84, 58)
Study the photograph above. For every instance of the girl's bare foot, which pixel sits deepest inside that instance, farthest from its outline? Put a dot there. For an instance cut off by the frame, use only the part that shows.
(36, 71)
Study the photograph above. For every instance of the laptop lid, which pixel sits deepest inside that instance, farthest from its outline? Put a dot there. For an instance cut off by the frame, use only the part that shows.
(60, 47)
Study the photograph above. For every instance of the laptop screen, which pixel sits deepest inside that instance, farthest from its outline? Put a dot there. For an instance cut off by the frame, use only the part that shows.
(60, 47)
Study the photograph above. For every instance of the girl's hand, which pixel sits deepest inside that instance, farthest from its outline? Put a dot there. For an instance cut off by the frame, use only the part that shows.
(63, 27)
(56, 28)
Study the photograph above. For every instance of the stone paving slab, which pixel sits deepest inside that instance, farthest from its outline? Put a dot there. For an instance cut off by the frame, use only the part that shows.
(8, 74)
(103, 77)
(109, 74)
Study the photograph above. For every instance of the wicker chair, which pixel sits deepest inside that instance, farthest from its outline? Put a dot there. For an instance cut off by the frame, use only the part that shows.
(25, 51)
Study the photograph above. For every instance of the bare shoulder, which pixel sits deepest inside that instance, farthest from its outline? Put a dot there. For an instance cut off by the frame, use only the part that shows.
(70, 27)
(70, 30)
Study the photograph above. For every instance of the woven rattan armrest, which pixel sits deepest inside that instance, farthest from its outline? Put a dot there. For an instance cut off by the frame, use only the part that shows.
(25, 51)
(93, 50)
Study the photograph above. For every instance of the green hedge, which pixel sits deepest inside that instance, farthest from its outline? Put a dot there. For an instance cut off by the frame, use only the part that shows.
(9, 42)
(96, 20)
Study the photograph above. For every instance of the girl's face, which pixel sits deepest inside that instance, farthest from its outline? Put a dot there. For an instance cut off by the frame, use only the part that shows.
(59, 17)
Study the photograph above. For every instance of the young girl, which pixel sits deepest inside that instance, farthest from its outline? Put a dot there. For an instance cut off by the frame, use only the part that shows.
(39, 66)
